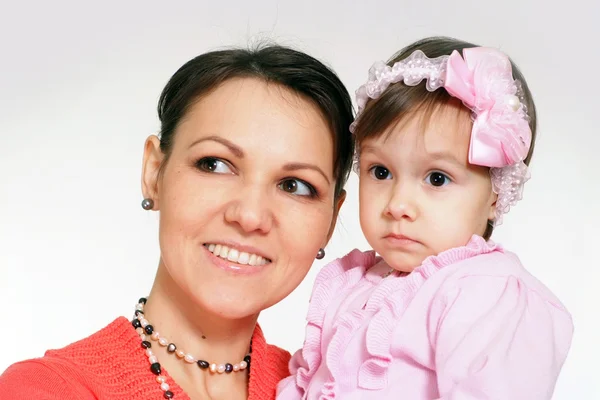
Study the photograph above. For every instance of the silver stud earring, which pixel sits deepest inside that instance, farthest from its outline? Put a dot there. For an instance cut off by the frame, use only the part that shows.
(147, 204)
(320, 254)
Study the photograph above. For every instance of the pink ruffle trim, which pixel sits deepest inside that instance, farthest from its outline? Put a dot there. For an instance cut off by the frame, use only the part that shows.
(383, 308)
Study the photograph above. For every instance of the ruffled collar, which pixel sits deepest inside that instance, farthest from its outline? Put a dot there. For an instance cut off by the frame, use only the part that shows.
(385, 305)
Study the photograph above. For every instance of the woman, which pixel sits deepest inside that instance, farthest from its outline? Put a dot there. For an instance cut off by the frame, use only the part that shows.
(248, 176)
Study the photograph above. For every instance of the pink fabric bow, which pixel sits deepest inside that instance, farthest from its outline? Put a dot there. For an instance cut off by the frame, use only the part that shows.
(483, 81)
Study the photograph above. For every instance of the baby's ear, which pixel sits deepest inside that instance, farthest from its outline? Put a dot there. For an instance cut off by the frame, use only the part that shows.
(492, 211)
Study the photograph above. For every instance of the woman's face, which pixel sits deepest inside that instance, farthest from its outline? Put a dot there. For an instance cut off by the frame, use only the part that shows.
(246, 197)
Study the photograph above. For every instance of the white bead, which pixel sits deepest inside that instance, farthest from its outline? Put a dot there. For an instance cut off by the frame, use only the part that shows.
(236, 367)
(221, 368)
(143, 337)
(163, 342)
(189, 358)
(514, 102)
(243, 365)
(139, 307)
(164, 387)
(153, 360)
(149, 353)
(144, 323)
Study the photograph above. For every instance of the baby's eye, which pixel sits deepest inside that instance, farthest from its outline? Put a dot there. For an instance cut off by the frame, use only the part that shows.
(437, 179)
(380, 173)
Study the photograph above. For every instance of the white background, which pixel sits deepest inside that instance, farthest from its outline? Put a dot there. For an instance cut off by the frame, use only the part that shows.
(79, 83)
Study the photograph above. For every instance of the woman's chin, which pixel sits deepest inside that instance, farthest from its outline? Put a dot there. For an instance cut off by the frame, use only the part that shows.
(232, 307)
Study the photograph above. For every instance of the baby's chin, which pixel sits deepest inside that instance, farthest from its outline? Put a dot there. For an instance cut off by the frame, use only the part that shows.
(405, 263)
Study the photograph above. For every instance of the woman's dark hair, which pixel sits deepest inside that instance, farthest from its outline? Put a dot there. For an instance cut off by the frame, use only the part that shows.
(399, 101)
(284, 66)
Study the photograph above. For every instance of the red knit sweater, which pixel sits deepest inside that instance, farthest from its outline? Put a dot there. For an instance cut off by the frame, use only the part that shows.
(111, 364)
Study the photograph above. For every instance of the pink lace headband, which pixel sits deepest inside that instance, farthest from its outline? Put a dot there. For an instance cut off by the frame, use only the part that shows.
(482, 79)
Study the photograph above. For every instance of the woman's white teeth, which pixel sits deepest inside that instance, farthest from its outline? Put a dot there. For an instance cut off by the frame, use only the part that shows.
(236, 256)
(243, 258)
(253, 258)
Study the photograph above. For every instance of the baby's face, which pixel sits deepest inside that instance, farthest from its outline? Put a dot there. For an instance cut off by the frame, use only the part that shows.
(419, 195)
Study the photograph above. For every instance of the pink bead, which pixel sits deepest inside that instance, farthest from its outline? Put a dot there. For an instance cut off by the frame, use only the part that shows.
(153, 360)
(140, 331)
(163, 342)
(189, 358)
(155, 335)
(149, 353)
(236, 367)
(144, 323)
(160, 379)
(143, 337)
(221, 368)
(164, 387)
(180, 353)
(243, 365)
(213, 367)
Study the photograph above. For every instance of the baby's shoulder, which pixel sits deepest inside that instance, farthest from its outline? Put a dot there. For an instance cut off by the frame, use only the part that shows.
(355, 262)
(498, 268)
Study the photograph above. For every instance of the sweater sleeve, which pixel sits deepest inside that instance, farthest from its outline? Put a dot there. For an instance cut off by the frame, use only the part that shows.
(494, 338)
(329, 282)
(41, 380)
(287, 388)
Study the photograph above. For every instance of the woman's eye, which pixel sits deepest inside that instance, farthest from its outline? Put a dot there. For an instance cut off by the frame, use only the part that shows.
(212, 164)
(380, 173)
(437, 179)
(297, 187)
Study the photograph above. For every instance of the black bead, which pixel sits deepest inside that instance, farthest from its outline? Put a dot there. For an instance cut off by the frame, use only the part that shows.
(171, 348)
(146, 344)
(138, 312)
(149, 329)
(155, 368)
(247, 359)
(142, 300)
(228, 368)
(203, 364)
(136, 323)
(168, 394)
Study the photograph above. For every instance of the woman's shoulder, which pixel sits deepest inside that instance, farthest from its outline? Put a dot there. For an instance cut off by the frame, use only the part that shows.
(66, 373)
(43, 378)
(268, 366)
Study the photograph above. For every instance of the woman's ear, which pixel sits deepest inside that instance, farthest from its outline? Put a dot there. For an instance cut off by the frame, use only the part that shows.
(336, 211)
(153, 159)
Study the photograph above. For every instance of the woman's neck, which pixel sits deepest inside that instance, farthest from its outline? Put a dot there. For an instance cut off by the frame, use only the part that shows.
(203, 334)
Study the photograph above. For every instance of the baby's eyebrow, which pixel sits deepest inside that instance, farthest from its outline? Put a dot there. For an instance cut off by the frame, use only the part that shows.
(367, 148)
(444, 156)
